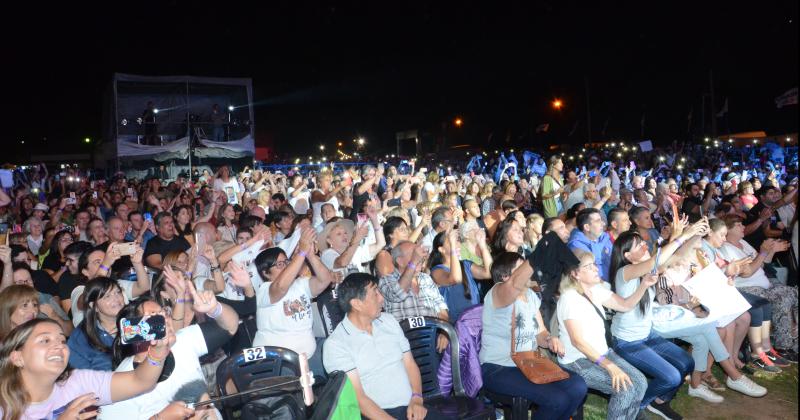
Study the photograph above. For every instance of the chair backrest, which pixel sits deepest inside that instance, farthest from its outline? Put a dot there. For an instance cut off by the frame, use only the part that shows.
(255, 363)
(421, 333)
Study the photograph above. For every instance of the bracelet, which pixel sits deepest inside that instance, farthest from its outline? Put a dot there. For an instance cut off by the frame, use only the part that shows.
(213, 269)
(679, 241)
(216, 312)
(600, 360)
(177, 319)
(411, 265)
(180, 300)
(189, 274)
(104, 267)
(416, 394)
(302, 254)
(153, 362)
(156, 359)
(763, 254)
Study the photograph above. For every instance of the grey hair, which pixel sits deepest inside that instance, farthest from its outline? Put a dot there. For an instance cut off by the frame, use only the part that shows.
(397, 251)
(27, 224)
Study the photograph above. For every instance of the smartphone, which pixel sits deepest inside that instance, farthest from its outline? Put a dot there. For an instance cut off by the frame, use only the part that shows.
(140, 329)
(94, 195)
(126, 248)
(199, 240)
(148, 217)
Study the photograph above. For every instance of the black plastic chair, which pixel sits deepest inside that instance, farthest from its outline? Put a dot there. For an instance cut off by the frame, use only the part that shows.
(422, 339)
(243, 373)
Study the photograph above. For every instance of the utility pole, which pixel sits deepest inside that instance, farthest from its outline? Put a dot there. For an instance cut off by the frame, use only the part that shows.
(713, 107)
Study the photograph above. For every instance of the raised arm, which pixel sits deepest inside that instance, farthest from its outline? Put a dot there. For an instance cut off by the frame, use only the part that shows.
(483, 271)
(284, 280)
(634, 271)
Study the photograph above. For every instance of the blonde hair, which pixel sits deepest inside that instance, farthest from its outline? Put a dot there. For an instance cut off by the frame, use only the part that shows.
(568, 282)
(10, 299)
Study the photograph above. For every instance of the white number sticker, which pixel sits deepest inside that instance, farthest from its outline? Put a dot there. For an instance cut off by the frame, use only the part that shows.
(254, 353)
(416, 322)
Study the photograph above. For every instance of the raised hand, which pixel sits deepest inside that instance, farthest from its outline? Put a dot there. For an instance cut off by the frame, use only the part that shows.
(204, 301)
(176, 281)
(239, 276)
(75, 408)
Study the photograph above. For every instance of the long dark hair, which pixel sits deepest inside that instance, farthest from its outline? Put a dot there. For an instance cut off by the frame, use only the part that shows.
(624, 243)
(95, 290)
(437, 258)
(54, 244)
(500, 238)
(132, 310)
(390, 225)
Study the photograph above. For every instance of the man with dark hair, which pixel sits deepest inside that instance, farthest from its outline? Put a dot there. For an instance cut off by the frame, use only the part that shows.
(493, 219)
(165, 242)
(590, 235)
(549, 259)
(370, 347)
(138, 229)
(618, 222)
(42, 281)
(276, 201)
(72, 278)
(768, 196)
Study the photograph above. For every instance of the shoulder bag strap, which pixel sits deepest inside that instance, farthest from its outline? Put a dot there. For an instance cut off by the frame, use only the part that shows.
(602, 316)
(513, 326)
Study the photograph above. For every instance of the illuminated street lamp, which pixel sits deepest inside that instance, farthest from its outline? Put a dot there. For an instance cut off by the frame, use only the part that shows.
(458, 122)
(87, 140)
(557, 104)
(321, 147)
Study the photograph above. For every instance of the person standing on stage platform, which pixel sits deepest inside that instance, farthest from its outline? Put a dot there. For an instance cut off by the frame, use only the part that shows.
(150, 126)
(217, 124)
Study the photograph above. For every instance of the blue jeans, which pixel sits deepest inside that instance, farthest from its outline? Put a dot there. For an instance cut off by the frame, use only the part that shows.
(218, 133)
(662, 361)
(556, 400)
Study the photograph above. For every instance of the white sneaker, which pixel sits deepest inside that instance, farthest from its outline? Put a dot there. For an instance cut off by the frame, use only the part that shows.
(746, 386)
(703, 392)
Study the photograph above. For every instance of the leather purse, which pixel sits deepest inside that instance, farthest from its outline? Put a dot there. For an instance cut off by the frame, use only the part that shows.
(538, 368)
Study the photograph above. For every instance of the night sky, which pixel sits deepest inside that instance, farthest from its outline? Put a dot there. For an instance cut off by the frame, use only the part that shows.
(335, 71)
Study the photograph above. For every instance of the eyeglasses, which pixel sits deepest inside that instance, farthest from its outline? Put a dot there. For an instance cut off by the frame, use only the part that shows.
(591, 264)
(280, 264)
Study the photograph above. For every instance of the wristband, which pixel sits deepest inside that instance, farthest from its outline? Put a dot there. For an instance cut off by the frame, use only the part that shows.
(600, 360)
(189, 274)
(104, 267)
(216, 312)
(679, 241)
(302, 254)
(763, 254)
(411, 265)
(179, 300)
(416, 394)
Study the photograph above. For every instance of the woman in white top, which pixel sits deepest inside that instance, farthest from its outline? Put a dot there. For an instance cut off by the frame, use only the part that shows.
(752, 279)
(325, 193)
(431, 188)
(298, 194)
(580, 314)
(341, 244)
(284, 315)
(634, 339)
(225, 225)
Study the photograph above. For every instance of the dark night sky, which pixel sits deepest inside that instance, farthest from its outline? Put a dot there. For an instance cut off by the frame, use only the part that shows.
(333, 70)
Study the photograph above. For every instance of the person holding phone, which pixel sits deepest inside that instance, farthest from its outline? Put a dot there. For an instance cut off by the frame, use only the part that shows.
(182, 361)
(40, 385)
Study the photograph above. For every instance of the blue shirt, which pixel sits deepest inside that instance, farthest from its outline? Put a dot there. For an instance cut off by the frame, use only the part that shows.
(82, 355)
(454, 294)
(130, 237)
(600, 248)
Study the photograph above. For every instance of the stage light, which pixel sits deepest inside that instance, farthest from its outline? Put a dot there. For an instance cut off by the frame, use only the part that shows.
(124, 121)
(155, 110)
(87, 140)
(230, 107)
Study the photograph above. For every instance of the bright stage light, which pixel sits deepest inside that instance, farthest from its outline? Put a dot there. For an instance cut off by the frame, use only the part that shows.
(155, 110)
(230, 107)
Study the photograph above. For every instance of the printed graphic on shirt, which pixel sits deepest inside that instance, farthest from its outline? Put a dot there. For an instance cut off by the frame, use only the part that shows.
(526, 333)
(297, 309)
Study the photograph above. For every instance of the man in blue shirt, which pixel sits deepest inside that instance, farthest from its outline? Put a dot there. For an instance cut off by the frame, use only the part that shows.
(590, 235)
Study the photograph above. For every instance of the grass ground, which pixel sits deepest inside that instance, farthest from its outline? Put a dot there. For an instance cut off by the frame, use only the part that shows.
(781, 401)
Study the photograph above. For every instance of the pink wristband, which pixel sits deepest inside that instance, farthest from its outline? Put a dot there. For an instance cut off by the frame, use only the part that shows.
(411, 265)
(302, 254)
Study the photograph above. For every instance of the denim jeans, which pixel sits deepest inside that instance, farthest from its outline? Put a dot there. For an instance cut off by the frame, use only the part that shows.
(623, 404)
(665, 363)
(556, 400)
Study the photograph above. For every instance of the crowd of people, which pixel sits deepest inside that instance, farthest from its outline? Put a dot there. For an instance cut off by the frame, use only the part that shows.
(584, 256)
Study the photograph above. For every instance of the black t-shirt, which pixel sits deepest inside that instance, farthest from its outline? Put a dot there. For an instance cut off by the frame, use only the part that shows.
(44, 283)
(689, 207)
(757, 237)
(52, 262)
(67, 283)
(158, 245)
(358, 203)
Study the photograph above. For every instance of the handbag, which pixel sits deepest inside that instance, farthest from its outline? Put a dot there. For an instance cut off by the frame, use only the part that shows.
(537, 367)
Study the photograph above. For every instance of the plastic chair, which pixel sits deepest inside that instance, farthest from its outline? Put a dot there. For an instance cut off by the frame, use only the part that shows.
(422, 339)
(243, 374)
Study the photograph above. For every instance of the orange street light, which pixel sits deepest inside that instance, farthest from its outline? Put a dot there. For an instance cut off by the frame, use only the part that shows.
(557, 104)
(458, 122)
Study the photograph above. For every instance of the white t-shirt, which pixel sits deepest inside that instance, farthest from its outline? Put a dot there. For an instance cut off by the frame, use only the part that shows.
(632, 325)
(730, 252)
(231, 189)
(300, 202)
(360, 257)
(571, 305)
(189, 347)
(430, 192)
(288, 322)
